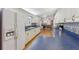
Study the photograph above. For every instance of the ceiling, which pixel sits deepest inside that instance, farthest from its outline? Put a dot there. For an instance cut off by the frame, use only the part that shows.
(40, 11)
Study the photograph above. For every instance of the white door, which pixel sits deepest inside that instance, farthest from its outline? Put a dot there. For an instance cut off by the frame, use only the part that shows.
(8, 30)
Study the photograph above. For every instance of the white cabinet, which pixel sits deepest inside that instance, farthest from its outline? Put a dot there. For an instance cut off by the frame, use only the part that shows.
(27, 36)
(31, 33)
(73, 27)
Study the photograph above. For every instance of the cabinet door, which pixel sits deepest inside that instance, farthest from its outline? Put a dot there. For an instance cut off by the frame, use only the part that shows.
(33, 32)
(27, 37)
(37, 30)
(30, 34)
(8, 29)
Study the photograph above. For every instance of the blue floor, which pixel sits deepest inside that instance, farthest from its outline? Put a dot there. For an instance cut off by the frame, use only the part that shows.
(61, 41)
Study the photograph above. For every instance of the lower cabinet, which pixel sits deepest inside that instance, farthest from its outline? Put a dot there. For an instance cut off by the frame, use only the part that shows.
(72, 27)
(31, 33)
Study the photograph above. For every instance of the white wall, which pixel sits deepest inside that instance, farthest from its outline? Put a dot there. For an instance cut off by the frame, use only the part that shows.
(66, 13)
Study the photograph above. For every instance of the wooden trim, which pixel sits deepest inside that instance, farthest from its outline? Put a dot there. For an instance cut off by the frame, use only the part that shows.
(26, 45)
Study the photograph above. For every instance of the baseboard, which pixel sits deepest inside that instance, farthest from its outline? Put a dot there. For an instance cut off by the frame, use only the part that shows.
(31, 40)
